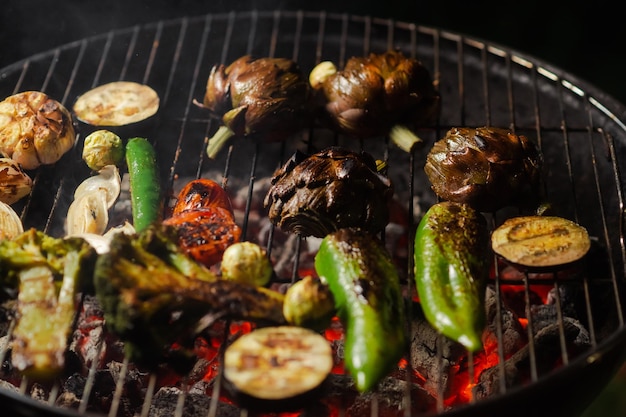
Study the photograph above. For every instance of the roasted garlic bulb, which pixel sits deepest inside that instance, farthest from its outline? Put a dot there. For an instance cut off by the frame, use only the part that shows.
(332, 189)
(14, 182)
(486, 167)
(35, 129)
(261, 97)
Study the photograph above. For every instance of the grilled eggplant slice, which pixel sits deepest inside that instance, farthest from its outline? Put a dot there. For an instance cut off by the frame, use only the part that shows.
(277, 368)
(540, 241)
(117, 104)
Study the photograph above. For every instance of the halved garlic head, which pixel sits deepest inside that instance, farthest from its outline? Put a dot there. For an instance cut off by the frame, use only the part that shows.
(108, 181)
(10, 223)
(14, 182)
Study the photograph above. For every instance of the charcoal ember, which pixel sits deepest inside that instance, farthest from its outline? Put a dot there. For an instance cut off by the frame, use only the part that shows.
(436, 358)
(548, 356)
(513, 334)
(196, 404)
(388, 400)
(314, 195)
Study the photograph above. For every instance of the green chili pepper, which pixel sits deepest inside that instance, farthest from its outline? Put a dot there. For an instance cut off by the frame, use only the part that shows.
(452, 257)
(368, 297)
(145, 188)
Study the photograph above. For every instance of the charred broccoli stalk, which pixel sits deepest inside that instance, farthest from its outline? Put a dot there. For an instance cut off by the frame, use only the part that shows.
(48, 273)
(157, 299)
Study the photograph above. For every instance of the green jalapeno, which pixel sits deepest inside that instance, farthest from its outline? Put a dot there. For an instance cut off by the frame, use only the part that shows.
(452, 257)
(366, 288)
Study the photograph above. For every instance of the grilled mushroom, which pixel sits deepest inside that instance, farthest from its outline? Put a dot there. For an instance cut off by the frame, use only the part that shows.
(329, 190)
(486, 167)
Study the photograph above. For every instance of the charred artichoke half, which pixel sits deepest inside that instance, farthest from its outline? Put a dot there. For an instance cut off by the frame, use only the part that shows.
(332, 189)
(381, 94)
(264, 97)
(35, 129)
(486, 167)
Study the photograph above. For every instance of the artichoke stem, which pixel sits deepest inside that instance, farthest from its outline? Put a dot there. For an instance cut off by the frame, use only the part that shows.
(404, 138)
(219, 139)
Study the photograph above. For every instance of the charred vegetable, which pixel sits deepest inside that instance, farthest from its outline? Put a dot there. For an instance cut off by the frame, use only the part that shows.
(35, 129)
(88, 212)
(540, 241)
(145, 185)
(10, 223)
(102, 148)
(332, 189)
(277, 368)
(246, 262)
(117, 104)
(156, 297)
(368, 297)
(15, 184)
(486, 167)
(201, 193)
(309, 303)
(257, 97)
(452, 258)
(381, 94)
(48, 273)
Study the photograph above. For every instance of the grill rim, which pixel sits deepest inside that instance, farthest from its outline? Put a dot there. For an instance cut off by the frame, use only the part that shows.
(603, 101)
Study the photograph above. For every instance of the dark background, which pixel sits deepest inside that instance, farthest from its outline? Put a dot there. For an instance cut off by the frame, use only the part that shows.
(585, 38)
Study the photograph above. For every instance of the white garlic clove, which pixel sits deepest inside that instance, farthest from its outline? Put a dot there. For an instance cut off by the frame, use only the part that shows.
(88, 214)
(107, 180)
(14, 182)
(10, 223)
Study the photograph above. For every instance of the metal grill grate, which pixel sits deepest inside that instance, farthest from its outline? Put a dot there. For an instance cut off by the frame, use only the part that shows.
(577, 127)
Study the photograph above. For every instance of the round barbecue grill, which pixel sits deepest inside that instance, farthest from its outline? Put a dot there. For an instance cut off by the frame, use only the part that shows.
(580, 131)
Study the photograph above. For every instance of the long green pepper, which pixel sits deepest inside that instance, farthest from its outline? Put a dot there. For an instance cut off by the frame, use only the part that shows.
(368, 297)
(452, 257)
(145, 186)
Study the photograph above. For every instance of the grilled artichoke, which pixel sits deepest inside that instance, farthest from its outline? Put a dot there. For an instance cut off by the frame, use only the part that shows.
(486, 167)
(329, 190)
(35, 129)
(381, 94)
(266, 97)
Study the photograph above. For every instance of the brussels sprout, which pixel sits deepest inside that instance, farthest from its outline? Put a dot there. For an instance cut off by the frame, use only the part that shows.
(246, 262)
(102, 148)
(309, 303)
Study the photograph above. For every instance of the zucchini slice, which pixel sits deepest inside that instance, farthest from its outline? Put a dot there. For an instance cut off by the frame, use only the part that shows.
(277, 368)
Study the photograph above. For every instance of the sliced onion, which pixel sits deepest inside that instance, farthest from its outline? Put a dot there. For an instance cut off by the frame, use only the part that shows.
(88, 214)
(10, 223)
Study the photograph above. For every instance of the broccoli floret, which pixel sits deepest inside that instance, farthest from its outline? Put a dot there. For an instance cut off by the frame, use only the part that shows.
(48, 274)
(155, 297)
